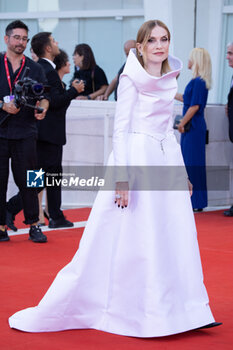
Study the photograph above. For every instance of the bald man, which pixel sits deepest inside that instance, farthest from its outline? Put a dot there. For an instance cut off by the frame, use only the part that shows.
(129, 44)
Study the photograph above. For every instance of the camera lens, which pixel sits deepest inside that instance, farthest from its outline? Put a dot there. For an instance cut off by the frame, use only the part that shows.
(37, 89)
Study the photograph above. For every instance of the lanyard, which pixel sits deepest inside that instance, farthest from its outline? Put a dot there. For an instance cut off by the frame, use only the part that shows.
(8, 73)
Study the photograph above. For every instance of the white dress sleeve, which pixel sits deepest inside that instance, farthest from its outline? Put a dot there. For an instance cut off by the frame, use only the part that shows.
(127, 96)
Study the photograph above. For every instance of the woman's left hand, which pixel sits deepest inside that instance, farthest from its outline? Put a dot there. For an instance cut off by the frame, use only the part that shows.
(181, 127)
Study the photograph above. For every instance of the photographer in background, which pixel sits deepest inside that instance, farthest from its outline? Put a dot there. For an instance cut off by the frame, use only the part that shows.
(18, 130)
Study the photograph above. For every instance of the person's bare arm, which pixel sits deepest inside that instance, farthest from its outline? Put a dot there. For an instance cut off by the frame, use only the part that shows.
(179, 97)
(111, 87)
(188, 115)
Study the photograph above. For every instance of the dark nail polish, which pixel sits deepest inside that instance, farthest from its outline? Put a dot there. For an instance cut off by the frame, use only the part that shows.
(115, 202)
(125, 206)
(122, 207)
(118, 205)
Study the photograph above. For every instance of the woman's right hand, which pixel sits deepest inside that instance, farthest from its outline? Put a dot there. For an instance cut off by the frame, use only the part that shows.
(122, 194)
(190, 187)
(102, 98)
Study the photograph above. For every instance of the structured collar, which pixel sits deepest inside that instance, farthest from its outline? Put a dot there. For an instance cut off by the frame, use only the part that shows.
(141, 78)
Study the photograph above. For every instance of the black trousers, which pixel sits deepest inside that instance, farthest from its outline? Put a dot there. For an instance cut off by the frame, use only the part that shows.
(50, 160)
(23, 157)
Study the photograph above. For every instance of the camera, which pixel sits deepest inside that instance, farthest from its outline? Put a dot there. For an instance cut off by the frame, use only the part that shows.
(28, 90)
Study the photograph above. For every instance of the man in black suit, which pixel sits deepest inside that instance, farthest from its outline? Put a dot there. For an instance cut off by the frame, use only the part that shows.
(229, 109)
(52, 131)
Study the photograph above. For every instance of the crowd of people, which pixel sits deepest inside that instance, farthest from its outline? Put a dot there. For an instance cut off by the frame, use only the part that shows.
(22, 138)
(89, 82)
(137, 271)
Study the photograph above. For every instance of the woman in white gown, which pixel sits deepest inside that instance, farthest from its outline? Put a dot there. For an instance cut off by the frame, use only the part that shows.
(137, 271)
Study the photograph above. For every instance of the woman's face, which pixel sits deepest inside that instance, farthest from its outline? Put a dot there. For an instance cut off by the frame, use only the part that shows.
(78, 60)
(157, 48)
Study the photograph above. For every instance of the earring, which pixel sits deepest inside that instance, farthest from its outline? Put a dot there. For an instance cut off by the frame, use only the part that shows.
(140, 54)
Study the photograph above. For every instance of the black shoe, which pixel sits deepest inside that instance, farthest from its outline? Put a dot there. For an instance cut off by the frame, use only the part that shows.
(211, 325)
(59, 223)
(228, 212)
(10, 221)
(36, 235)
(197, 210)
(40, 224)
(4, 236)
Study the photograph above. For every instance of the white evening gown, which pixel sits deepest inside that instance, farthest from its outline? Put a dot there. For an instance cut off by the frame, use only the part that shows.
(137, 271)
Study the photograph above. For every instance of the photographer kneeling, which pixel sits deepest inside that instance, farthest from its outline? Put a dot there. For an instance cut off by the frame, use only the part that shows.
(18, 129)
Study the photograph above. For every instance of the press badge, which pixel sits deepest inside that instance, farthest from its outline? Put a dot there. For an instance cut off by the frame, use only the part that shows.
(8, 98)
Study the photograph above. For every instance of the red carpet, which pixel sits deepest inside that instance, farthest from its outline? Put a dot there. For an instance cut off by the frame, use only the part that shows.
(27, 269)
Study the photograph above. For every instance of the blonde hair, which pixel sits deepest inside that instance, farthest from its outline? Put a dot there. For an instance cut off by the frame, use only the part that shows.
(201, 65)
(143, 37)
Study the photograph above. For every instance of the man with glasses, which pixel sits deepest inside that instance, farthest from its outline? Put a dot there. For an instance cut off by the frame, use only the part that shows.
(18, 130)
